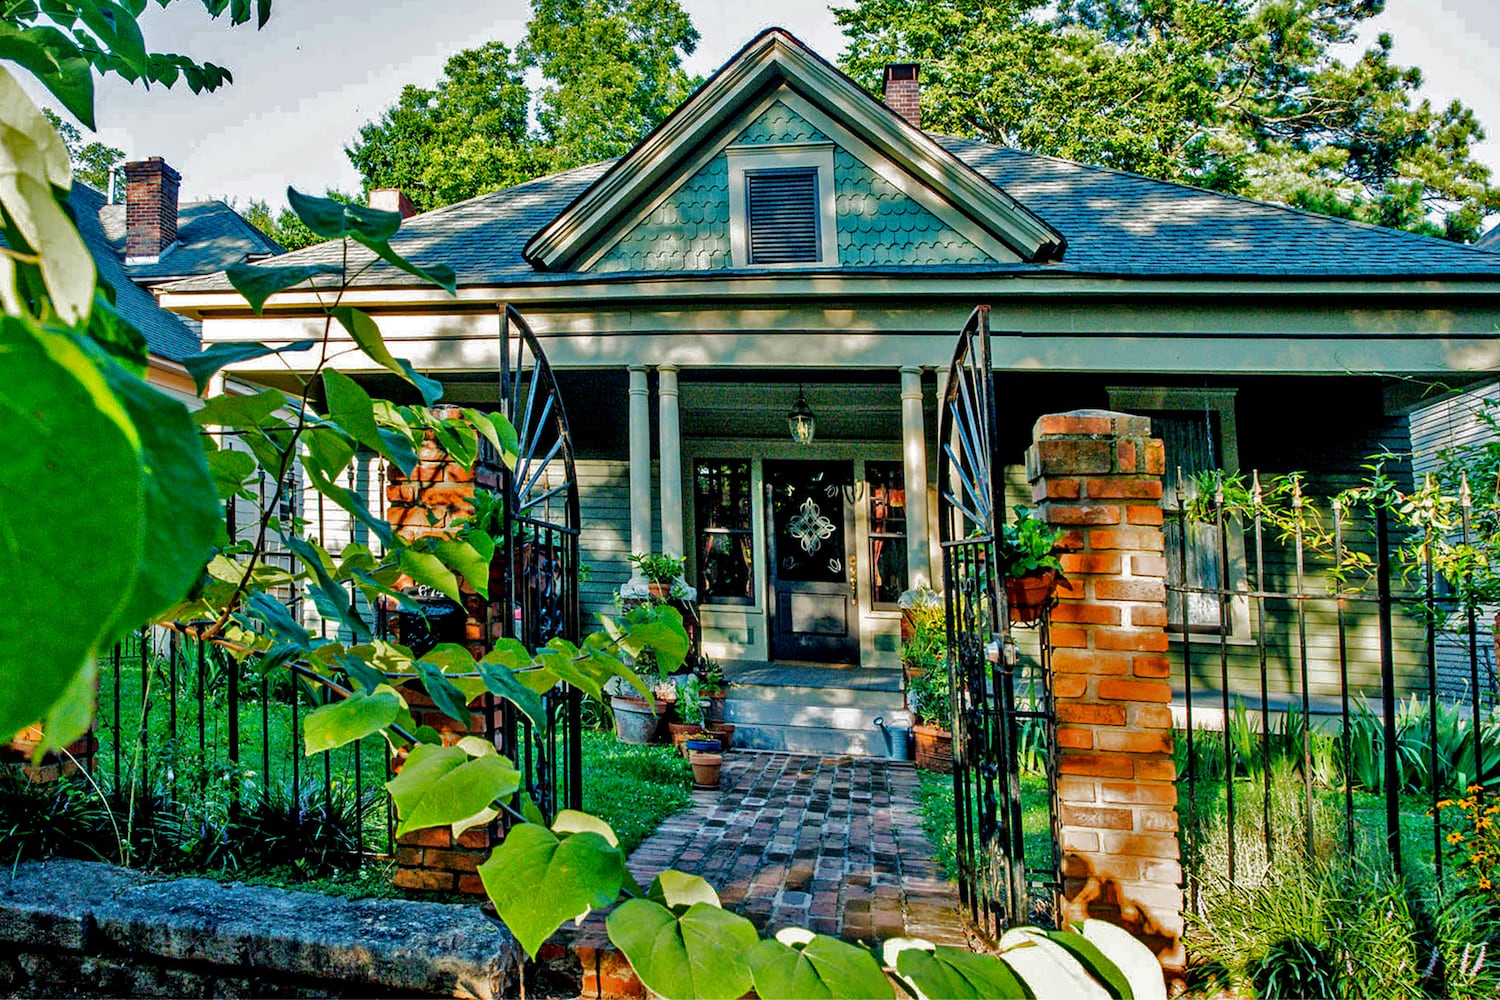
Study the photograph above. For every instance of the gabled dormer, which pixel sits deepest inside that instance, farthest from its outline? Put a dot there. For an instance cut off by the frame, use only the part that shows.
(780, 161)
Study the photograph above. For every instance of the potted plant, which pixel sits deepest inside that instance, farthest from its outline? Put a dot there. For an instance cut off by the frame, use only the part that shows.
(689, 711)
(1027, 558)
(713, 687)
(920, 606)
(706, 764)
(661, 572)
(638, 720)
(930, 699)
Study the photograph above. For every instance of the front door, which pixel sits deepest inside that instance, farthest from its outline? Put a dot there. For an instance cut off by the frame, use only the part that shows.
(813, 612)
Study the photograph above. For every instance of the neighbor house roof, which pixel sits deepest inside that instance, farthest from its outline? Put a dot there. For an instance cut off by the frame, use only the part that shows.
(167, 334)
(210, 237)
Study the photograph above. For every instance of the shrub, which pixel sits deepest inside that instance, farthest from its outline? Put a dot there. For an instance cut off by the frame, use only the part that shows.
(63, 818)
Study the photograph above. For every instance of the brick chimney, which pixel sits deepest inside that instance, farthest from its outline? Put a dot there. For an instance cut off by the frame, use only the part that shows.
(392, 200)
(150, 208)
(903, 91)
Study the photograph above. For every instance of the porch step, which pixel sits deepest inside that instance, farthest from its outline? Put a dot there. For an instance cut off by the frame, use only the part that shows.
(814, 718)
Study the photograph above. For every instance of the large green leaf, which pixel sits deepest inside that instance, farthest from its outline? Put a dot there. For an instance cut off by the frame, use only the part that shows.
(502, 681)
(242, 412)
(180, 503)
(55, 60)
(1135, 961)
(799, 965)
(230, 468)
(202, 366)
(351, 408)
(352, 718)
(678, 890)
(1045, 967)
(427, 569)
(68, 562)
(1094, 962)
(443, 786)
(355, 505)
(334, 220)
(466, 561)
(702, 953)
(537, 880)
(72, 715)
(954, 973)
(257, 282)
(653, 627)
(365, 334)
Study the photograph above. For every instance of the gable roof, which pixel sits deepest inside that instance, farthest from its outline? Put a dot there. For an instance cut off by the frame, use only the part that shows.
(210, 236)
(167, 334)
(772, 62)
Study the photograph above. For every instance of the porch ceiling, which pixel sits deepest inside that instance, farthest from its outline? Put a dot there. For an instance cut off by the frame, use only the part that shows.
(844, 412)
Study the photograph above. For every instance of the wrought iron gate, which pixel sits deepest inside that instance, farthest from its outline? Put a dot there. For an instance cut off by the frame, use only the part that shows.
(988, 720)
(539, 562)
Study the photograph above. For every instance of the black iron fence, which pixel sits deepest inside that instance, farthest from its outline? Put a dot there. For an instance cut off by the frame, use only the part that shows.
(1310, 703)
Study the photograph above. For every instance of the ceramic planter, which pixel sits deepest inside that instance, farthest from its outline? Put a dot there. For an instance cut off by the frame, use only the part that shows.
(635, 720)
(706, 769)
(1028, 595)
(934, 748)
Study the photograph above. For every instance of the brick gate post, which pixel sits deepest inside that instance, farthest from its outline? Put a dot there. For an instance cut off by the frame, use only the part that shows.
(1098, 476)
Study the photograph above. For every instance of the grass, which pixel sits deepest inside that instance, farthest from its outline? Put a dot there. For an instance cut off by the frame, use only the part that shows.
(633, 788)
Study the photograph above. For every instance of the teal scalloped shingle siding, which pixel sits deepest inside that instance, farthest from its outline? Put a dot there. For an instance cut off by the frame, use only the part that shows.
(878, 224)
(689, 231)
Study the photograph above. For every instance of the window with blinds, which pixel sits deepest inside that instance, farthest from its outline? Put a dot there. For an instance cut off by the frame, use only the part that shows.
(781, 209)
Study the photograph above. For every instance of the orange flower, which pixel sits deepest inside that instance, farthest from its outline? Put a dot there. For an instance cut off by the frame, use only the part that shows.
(1484, 883)
(1455, 837)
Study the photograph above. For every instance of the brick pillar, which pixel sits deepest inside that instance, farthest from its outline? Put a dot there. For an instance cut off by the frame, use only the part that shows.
(1098, 475)
(431, 501)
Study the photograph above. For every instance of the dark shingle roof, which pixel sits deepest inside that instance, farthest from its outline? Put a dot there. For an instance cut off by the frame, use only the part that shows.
(167, 334)
(1490, 240)
(1115, 224)
(210, 237)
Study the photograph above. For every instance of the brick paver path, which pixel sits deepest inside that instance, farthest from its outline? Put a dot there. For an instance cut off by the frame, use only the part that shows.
(833, 844)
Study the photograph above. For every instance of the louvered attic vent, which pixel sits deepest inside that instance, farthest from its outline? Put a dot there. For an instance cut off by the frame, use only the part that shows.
(782, 210)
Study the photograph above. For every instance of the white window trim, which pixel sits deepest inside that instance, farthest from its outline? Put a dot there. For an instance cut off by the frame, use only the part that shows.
(1132, 399)
(775, 156)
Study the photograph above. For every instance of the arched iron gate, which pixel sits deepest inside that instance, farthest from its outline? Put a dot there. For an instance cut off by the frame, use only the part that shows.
(539, 562)
(988, 720)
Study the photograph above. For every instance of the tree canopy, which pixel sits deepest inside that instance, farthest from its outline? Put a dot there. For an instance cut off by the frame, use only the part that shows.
(611, 70)
(1249, 97)
(94, 163)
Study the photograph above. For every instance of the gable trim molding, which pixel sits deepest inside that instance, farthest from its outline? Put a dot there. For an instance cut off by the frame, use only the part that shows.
(774, 58)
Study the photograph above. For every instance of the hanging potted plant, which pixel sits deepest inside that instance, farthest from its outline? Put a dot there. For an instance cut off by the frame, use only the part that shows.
(661, 572)
(930, 699)
(1028, 562)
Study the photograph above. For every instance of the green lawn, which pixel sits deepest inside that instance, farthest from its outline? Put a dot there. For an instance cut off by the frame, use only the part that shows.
(633, 788)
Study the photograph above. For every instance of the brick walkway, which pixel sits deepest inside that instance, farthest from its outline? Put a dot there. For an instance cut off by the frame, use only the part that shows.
(833, 844)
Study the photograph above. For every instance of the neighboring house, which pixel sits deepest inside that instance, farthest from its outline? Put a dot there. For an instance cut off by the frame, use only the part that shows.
(151, 239)
(784, 235)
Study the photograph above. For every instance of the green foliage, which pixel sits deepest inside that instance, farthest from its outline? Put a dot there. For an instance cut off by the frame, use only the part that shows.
(1254, 99)
(611, 70)
(930, 695)
(633, 787)
(39, 820)
(1026, 544)
(94, 163)
(657, 567)
(797, 963)
(693, 949)
(1474, 842)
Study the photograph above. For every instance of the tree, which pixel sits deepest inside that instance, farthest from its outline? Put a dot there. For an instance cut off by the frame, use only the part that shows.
(611, 71)
(464, 137)
(1247, 98)
(94, 163)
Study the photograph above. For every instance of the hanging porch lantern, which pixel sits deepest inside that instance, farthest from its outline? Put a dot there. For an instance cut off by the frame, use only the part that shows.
(801, 421)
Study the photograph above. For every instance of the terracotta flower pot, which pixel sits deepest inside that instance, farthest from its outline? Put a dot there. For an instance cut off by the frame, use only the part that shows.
(934, 748)
(724, 731)
(1028, 595)
(681, 731)
(706, 769)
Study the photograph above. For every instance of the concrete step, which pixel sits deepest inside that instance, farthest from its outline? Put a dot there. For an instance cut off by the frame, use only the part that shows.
(833, 697)
(808, 739)
(792, 713)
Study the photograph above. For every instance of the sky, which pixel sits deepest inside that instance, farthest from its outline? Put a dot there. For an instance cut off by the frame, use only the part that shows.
(321, 68)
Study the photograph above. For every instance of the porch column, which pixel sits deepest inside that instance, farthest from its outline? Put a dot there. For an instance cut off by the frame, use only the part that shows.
(914, 450)
(640, 467)
(671, 461)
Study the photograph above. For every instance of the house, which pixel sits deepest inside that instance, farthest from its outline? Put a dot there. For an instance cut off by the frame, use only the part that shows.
(786, 246)
(150, 240)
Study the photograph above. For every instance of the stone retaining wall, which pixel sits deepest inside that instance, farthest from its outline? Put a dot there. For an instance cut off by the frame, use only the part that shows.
(78, 928)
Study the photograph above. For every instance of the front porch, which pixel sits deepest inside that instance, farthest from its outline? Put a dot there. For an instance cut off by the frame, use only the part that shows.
(814, 709)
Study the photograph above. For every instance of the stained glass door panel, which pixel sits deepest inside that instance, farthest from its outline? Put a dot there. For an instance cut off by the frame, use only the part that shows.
(813, 608)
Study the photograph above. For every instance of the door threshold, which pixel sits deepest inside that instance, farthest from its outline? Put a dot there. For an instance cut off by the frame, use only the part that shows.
(818, 664)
